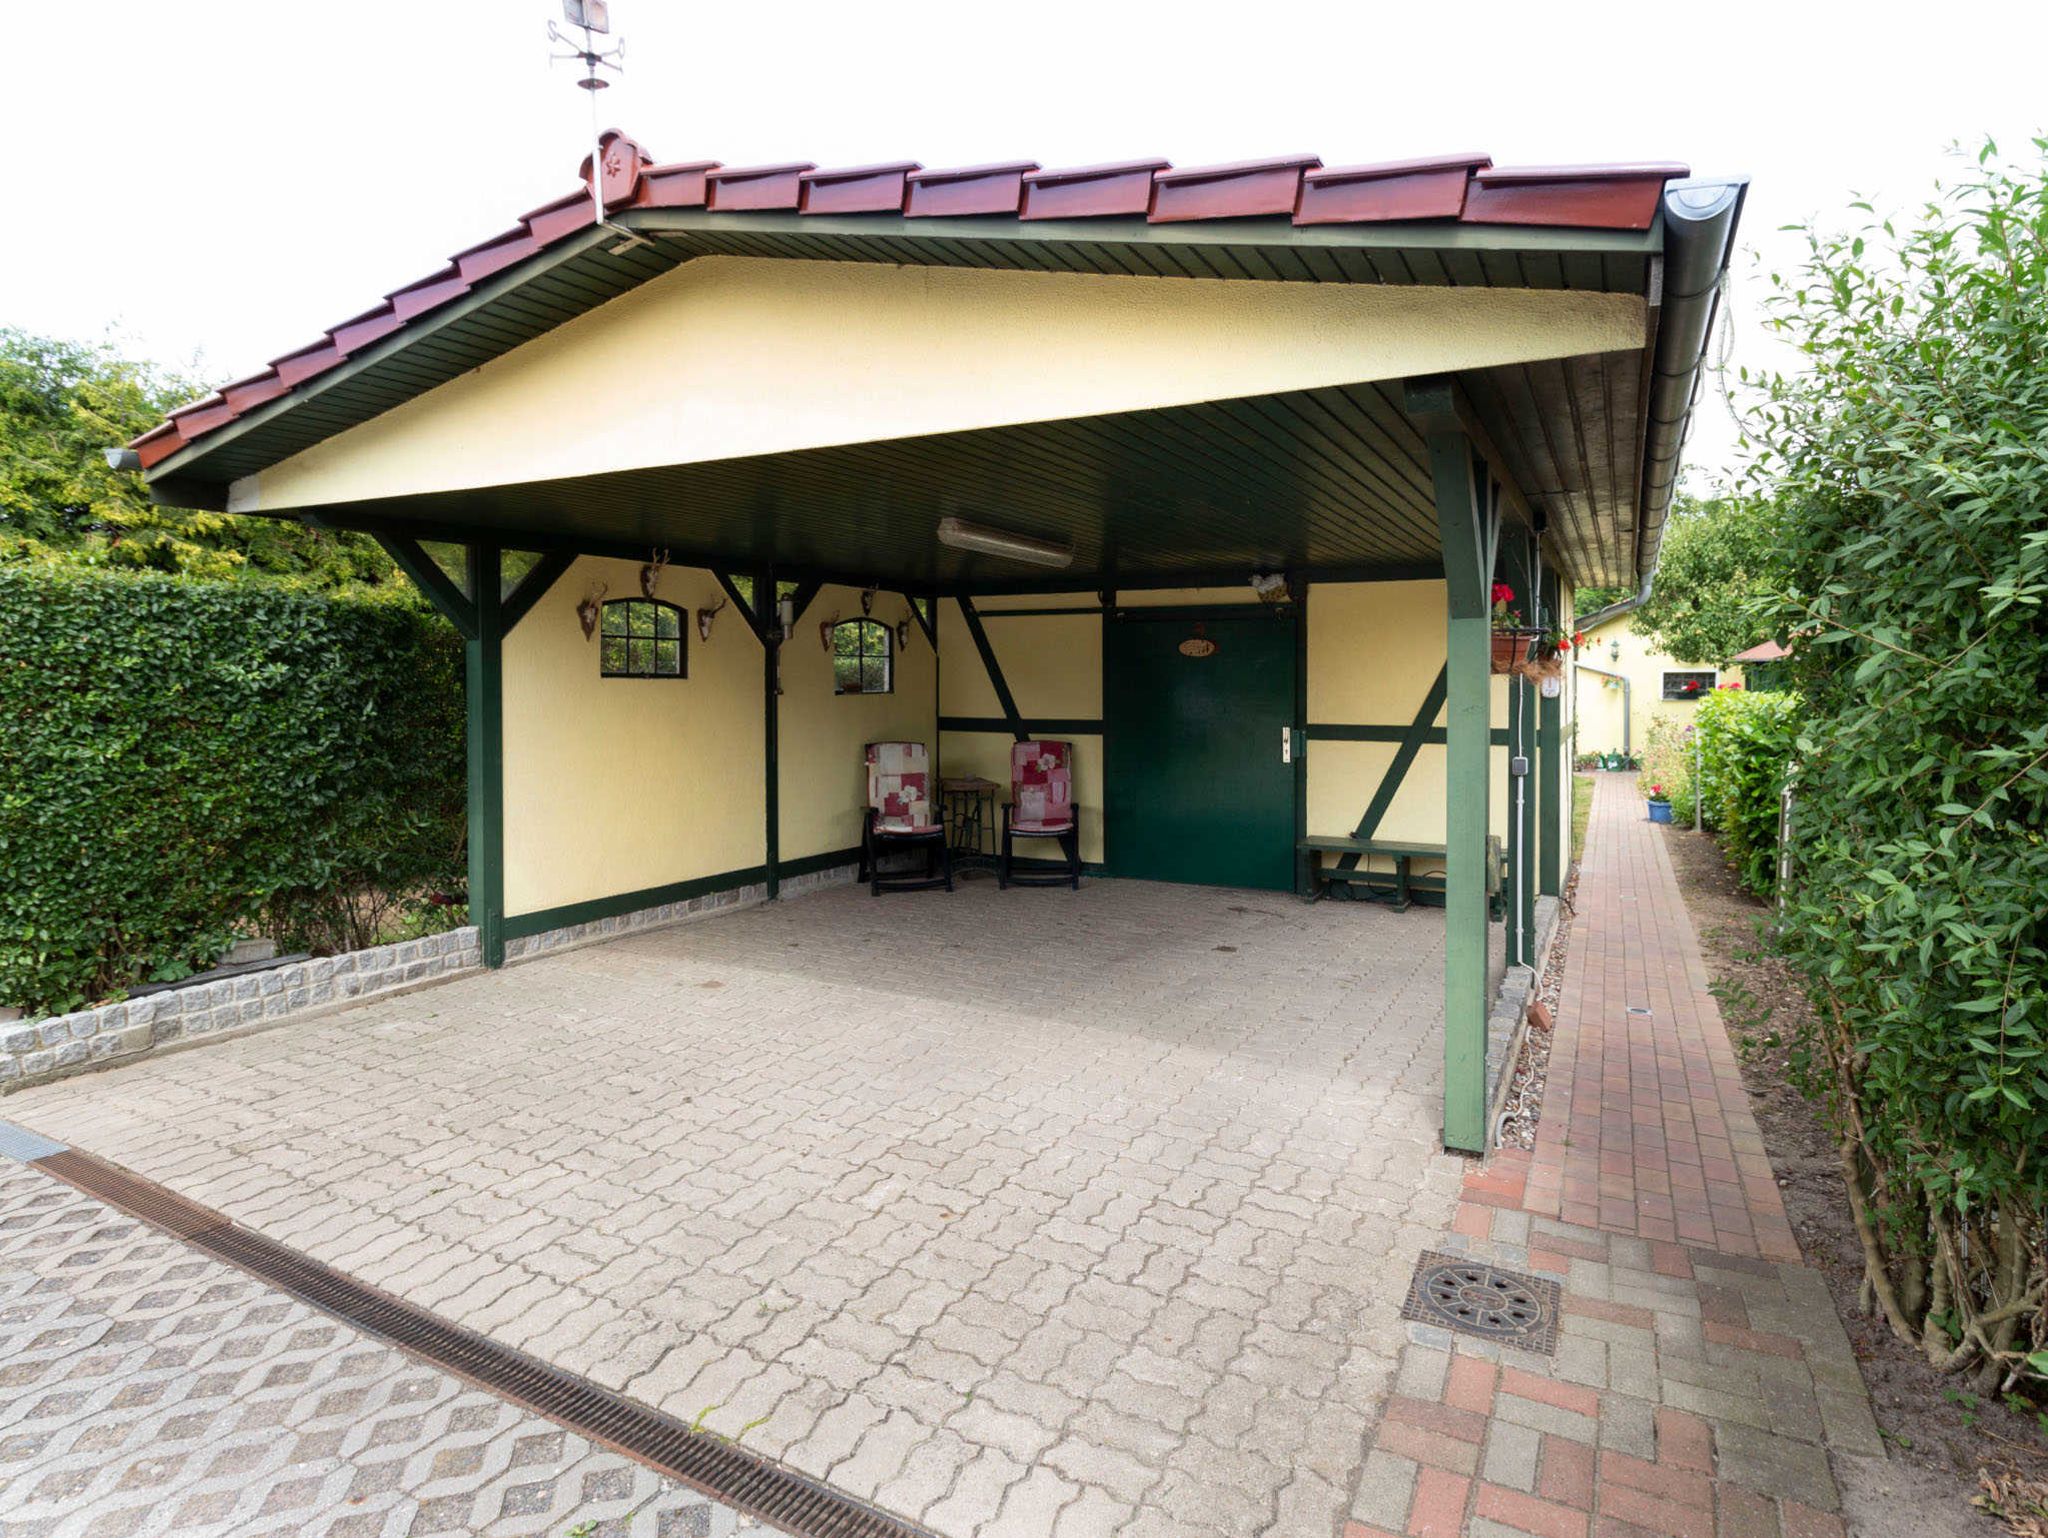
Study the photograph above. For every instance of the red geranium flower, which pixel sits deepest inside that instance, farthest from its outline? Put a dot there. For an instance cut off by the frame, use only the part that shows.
(1502, 593)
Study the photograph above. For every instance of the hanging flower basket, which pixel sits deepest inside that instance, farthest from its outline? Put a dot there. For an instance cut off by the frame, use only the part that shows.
(1509, 648)
(1511, 637)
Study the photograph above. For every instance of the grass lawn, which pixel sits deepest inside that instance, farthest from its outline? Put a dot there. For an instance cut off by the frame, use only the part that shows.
(1582, 812)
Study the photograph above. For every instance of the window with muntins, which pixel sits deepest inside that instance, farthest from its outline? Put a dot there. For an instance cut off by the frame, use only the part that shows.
(1689, 686)
(641, 638)
(861, 657)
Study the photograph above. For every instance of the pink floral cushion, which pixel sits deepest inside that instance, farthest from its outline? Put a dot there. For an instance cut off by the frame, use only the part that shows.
(1042, 787)
(899, 787)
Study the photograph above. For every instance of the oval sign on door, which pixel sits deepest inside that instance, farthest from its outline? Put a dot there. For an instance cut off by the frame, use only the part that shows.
(1198, 646)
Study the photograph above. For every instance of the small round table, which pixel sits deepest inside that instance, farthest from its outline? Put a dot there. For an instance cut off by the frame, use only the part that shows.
(967, 809)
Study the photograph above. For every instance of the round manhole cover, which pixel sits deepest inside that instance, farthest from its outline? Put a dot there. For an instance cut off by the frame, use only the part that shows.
(1474, 1298)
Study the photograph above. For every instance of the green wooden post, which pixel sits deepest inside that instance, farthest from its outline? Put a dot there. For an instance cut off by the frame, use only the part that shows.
(1304, 881)
(1468, 521)
(1550, 765)
(1518, 572)
(483, 673)
(769, 611)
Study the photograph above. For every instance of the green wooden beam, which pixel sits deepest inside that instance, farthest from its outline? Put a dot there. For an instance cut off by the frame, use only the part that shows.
(928, 626)
(1034, 726)
(1368, 731)
(533, 587)
(739, 602)
(448, 600)
(995, 673)
(483, 674)
(1283, 232)
(1468, 522)
(1419, 731)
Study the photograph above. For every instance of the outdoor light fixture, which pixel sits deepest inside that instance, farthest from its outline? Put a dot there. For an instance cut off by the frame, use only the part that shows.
(1271, 586)
(1614, 650)
(962, 535)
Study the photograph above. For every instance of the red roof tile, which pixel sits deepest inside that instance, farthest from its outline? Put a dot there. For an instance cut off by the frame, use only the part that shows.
(855, 189)
(1299, 187)
(966, 190)
(1238, 190)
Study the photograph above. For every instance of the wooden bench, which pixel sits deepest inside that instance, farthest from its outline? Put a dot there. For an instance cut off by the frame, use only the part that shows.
(1402, 854)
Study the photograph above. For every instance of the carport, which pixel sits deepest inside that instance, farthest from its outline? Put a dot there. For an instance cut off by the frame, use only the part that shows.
(1304, 415)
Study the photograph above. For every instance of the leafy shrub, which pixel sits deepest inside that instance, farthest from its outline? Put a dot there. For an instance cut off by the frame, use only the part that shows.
(1746, 748)
(180, 754)
(1910, 460)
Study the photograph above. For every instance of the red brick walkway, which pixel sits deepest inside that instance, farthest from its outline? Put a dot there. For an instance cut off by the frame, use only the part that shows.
(1646, 1129)
(1702, 1385)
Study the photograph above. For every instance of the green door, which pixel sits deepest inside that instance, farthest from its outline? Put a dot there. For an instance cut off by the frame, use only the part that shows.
(1195, 784)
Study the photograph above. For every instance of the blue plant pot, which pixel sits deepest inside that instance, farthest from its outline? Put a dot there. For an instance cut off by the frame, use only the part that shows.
(1660, 811)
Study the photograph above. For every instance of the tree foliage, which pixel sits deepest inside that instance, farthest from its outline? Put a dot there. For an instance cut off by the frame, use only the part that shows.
(1718, 577)
(184, 758)
(1909, 461)
(62, 404)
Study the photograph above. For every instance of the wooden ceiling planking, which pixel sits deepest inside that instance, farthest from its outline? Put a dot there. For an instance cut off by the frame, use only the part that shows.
(1279, 481)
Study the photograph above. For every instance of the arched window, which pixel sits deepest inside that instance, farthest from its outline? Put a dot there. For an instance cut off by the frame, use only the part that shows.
(860, 657)
(641, 638)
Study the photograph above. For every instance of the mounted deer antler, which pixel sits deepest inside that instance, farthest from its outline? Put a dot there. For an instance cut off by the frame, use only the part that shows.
(587, 612)
(705, 617)
(825, 633)
(650, 574)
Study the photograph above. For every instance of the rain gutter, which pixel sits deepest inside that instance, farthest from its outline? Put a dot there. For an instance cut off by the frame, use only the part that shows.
(1700, 216)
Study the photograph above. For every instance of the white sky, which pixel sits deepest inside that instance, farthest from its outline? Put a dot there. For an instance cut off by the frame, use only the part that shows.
(227, 181)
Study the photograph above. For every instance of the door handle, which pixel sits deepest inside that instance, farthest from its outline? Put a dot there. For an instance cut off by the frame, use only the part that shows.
(1286, 744)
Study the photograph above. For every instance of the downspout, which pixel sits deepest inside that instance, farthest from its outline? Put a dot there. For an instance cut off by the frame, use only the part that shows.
(1700, 215)
(1626, 710)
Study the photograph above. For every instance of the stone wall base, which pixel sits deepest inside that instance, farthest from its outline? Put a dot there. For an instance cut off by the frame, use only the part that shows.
(37, 1051)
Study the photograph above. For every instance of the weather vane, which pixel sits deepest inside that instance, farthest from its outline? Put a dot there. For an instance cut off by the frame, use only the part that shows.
(594, 19)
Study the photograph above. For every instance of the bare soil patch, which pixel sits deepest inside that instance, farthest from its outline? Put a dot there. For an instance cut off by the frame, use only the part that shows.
(1946, 1435)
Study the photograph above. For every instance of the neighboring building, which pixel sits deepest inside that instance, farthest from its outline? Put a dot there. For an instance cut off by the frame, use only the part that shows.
(1160, 391)
(1763, 667)
(1625, 681)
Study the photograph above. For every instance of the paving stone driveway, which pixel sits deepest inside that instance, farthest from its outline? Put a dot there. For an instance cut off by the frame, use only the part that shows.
(147, 1389)
(1016, 1213)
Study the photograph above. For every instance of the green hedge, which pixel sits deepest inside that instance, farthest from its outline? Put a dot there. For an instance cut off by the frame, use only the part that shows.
(1909, 456)
(182, 759)
(1746, 744)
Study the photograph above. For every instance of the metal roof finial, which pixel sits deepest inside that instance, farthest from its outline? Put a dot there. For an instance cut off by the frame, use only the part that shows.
(594, 18)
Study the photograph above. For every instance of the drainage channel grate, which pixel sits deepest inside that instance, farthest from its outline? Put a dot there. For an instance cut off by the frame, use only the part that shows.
(130, 1193)
(1457, 1293)
(706, 1462)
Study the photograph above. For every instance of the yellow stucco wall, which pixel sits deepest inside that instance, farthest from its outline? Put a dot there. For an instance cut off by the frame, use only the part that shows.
(1053, 665)
(1374, 650)
(1599, 700)
(615, 786)
(823, 782)
(621, 784)
(730, 356)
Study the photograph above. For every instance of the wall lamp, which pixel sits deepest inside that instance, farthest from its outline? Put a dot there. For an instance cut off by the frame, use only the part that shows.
(962, 535)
